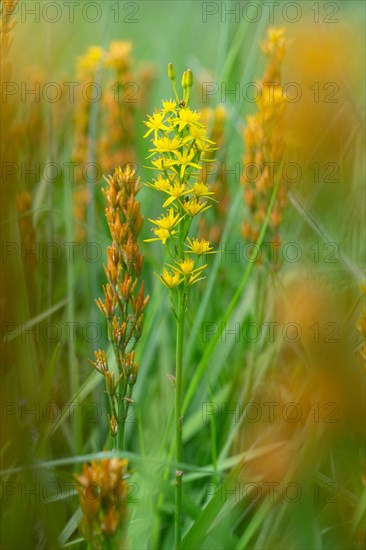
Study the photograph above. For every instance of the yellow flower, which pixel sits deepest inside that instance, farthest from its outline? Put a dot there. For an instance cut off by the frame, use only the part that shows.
(160, 184)
(187, 118)
(193, 207)
(275, 36)
(170, 280)
(276, 43)
(184, 160)
(201, 190)
(186, 267)
(195, 278)
(204, 147)
(90, 61)
(200, 139)
(118, 55)
(199, 247)
(155, 123)
(167, 145)
(162, 235)
(169, 221)
(175, 191)
(272, 102)
(169, 106)
(162, 163)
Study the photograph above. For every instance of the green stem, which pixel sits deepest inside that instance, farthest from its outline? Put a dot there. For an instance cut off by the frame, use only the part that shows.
(70, 312)
(215, 478)
(121, 414)
(178, 416)
(207, 354)
(127, 405)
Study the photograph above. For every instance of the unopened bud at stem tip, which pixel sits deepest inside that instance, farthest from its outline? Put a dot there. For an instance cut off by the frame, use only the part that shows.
(189, 78)
(171, 72)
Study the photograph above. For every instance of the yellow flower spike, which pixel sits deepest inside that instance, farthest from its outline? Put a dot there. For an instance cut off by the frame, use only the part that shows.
(193, 207)
(162, 235)
(199, 247)
(170, 280)
(265, 143)
(169, 221)
(155, 123)
(180, 142)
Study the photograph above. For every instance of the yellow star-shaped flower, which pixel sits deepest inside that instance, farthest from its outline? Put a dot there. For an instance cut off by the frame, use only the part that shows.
(167, 145)
(200, 189)
(199, 247)
(170, 280)
(169, 221)
(162, 235)
(184, 160)
(155, 123)
(161, 184)
(187, 118)
(169, 106)
(193, 207)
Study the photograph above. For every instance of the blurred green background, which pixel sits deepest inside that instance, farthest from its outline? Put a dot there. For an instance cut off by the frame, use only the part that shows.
(223, 50)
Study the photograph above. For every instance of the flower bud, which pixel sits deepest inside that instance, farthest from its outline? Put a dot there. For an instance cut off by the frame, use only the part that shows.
(110, 382)
(171, 73)
(113, 425)
(189, 78)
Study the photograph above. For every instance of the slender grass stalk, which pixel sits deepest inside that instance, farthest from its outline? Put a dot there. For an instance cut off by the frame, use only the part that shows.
(213, 432)
(70, 313)
(50, 191)
(260, 300)
(233, 303)
(178, 415)
(90, 214)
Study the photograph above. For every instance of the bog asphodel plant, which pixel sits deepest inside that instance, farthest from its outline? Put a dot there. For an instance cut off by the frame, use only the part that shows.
(215, 119)
(264, 138)
(180, 147)
(103, 494)
(124, 299)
